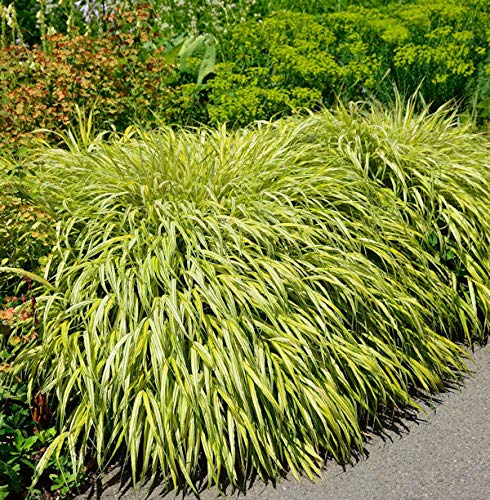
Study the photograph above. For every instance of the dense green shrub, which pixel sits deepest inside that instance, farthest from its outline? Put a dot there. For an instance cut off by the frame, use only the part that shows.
(289, 60)
(282, 63)
(229, 302)
(447, 44)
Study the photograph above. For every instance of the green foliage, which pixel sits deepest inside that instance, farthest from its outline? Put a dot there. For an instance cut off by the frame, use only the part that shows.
(202, 47)
(281, 64)
(270, 65)
(194, 55)
(241, 98)
(229, 302)
(440, 173)
(355, 53)
(446, 46)
(34, 19)
(204, 16)
(482, 94)
(235, 302)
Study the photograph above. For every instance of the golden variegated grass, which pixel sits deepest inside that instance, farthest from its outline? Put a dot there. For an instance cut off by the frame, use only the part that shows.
(440, 171)
(237, 302)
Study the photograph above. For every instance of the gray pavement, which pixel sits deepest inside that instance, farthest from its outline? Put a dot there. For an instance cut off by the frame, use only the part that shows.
(442, 453)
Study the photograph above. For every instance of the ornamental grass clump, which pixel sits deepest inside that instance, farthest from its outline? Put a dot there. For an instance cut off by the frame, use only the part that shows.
(439, 171)
(227, 303)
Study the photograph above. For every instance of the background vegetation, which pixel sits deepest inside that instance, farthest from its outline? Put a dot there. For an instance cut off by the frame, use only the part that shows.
(289, 61)
(214, 62)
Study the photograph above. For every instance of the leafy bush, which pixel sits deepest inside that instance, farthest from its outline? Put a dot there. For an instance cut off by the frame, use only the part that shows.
(228, 302)
(448, 42)
(127, 79)
(275, 66)
(289, 60)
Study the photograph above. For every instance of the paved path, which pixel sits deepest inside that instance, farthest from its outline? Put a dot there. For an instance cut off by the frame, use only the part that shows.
(442, 454)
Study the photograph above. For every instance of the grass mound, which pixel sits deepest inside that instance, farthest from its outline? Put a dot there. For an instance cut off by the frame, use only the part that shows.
(228, 302)
(440, 173)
